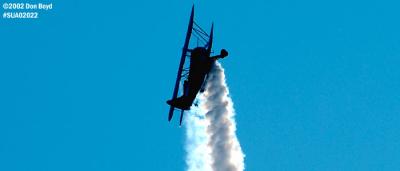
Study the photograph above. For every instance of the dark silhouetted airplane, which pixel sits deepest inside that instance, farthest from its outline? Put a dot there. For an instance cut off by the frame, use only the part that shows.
(195, 75)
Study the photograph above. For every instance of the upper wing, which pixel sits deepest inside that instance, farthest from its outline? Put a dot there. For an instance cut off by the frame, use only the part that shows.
(182, 62)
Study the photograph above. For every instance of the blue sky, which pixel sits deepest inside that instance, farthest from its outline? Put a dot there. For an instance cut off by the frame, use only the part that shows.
(315, 84)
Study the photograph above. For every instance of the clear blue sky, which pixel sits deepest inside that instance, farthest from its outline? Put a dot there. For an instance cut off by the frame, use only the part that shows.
(316, 85)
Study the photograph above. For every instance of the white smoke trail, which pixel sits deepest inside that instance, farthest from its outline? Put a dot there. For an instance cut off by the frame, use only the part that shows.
(198, 153)
(211, 139)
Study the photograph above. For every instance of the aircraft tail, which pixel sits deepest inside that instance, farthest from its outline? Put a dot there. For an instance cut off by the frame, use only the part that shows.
(180, 103)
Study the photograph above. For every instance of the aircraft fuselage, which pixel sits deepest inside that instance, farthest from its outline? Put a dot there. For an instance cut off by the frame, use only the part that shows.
(200, 65)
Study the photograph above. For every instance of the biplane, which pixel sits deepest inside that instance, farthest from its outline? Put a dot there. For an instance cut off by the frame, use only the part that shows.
(193, 75)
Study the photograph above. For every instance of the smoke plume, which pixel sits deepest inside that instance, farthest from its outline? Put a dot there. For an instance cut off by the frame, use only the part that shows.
(211, 141)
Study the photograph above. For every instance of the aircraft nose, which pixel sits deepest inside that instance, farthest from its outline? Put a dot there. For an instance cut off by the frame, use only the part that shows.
(224, 53)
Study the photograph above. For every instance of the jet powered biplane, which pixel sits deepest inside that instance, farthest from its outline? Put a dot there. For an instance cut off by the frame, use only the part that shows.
(193, 75)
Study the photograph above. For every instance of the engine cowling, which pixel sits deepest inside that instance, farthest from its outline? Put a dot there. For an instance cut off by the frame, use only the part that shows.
(224, 53)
